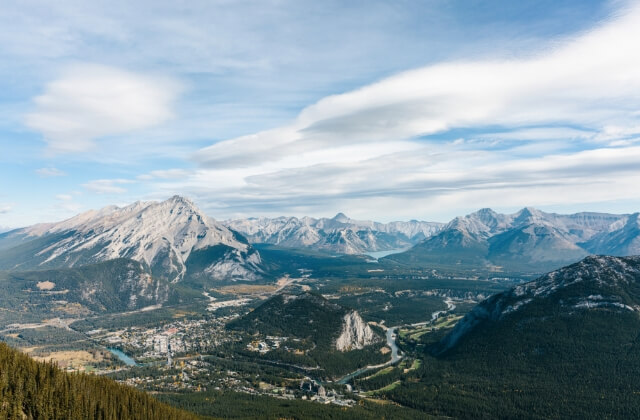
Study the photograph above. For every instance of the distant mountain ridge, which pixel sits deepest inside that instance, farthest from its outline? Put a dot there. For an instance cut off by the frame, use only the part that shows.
(161, 235)
(528, 240)
(339, 234)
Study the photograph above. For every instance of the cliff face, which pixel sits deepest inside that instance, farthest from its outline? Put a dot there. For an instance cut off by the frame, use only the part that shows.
(355, 333)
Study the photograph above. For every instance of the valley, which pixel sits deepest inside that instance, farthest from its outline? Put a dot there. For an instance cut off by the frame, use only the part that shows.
(309, 330)
(184, 350)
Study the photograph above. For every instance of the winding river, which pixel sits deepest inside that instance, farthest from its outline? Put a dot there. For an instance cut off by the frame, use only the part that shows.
(395, 357)
(391, 342)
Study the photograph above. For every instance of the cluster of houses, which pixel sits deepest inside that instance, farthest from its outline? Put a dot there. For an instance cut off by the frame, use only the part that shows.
(269, 343)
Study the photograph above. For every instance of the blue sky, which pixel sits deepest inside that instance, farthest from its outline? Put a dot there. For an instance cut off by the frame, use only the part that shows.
(384, 110)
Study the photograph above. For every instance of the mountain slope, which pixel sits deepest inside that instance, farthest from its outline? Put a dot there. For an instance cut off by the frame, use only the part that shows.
(309, 316)
(527, 241)
(111, 286)
(566, 346)
(338, 234)
(622, 239)
(598, 283)
(160, 235)
(329, 339)
(36, 390)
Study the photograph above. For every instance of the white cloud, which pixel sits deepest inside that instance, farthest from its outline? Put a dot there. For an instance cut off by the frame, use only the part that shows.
(90, 101)
(165, 174)
(592, 80)
(418, 184)
(107, 186)
(5, 208)
(554, 126)
(50, 172)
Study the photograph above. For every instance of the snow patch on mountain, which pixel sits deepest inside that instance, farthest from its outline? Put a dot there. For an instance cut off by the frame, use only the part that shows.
(160, 234)
(338, 234)
(609, 277)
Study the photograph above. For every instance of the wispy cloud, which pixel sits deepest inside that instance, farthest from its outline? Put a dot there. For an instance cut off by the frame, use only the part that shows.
(5, 208)
(561, 118)
(165, 174)
(89, 102)
(107, 186)
(498, 101)
(590, 81)
(50, 172)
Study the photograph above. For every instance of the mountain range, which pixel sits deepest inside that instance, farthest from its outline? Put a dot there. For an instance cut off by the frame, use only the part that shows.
(168, 238)
(175, 240)
(528, 240)
(339, 234)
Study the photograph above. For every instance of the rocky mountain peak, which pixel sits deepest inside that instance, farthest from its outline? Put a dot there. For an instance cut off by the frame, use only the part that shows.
(341, 217)
(528, 215)
(178, 199)
(486, 214)
(160, 234)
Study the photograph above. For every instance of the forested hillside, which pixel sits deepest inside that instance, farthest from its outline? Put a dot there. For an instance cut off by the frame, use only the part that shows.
(35, 390)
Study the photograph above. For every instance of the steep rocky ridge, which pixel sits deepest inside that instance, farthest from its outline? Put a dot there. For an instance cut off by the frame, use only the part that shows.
(356, 333)
(311, 317)
(529, 240)
(338, 234)
(161, 235)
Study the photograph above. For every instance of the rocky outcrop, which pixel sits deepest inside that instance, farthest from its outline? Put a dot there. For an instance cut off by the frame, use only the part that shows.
(355, 333)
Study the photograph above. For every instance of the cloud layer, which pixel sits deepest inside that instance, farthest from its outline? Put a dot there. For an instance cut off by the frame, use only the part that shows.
(289, 107)
(591, 81)
(90, 102)
(49, 172)
(558, 125)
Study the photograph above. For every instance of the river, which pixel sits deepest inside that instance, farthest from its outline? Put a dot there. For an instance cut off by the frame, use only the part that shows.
(391, 342)
(123, 357)
(395, 357)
